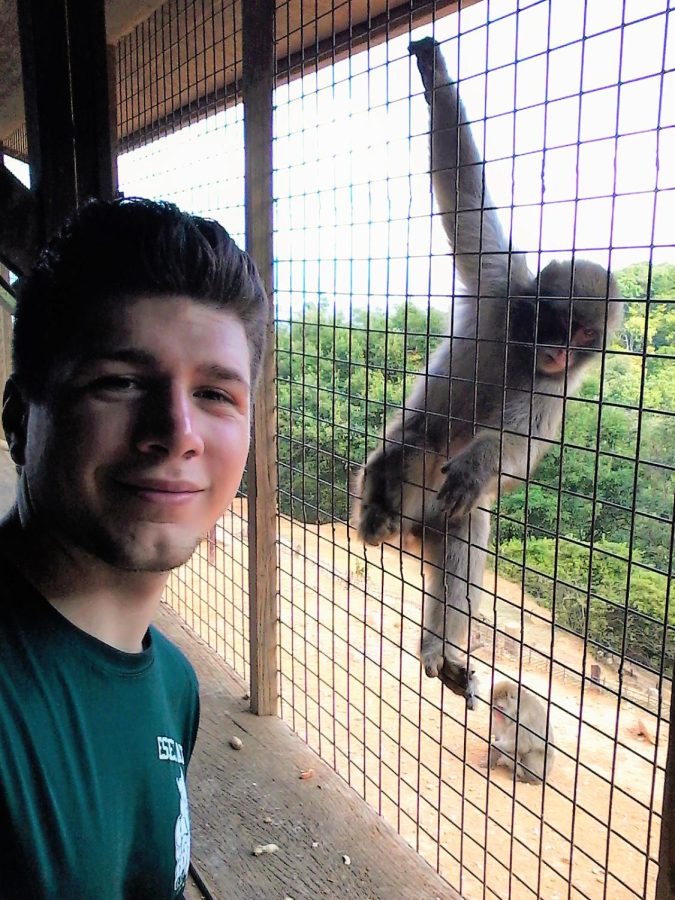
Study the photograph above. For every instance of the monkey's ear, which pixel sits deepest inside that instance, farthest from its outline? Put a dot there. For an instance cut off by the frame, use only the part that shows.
(14, 420)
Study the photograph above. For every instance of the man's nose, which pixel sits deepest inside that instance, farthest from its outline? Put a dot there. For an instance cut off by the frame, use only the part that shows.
(168, 424)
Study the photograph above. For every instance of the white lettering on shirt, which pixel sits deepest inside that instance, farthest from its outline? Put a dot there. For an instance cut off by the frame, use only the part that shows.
(169, 749)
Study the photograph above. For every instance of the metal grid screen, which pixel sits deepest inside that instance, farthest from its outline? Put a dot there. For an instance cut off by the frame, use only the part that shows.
(571, 105)
(187, 57)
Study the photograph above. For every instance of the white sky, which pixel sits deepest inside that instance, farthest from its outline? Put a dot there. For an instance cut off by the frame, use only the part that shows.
(352, 197)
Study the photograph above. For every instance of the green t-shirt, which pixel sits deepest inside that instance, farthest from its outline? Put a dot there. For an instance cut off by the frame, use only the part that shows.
(94, 744)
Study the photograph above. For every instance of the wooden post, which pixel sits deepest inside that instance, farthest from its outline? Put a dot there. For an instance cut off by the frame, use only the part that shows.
(5, 342)
(665, 883)
(258, 83)
(64, 64)
(49, 123)
(111, 55)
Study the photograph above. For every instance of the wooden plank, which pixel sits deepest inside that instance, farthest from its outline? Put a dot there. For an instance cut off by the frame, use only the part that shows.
(258, 46)
(5, 341)
(46, 86)
(8, 479)
(6, 329)
(7, 298)
(240, 799)
(665, 883)
(88, 60)
(64, 60)
(111, 73)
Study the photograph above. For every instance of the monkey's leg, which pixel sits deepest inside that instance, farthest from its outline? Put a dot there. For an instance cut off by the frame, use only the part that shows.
(494, 757)
(531, 769)
(456, 562)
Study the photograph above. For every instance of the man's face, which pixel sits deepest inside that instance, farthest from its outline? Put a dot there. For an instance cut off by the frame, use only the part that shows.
(142, 440)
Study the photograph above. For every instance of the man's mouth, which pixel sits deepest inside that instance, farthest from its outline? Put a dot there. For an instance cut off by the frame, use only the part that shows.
(162, 491)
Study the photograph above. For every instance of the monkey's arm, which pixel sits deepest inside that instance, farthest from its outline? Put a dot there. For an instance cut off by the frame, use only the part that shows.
(468, 214)
(473, 473)
(503, 747)
(506, 742)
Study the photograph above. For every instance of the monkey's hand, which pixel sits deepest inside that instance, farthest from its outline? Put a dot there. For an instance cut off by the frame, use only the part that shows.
(430, 63)
(377, 521)
(461, 489)
(377, 515)
(454, 676)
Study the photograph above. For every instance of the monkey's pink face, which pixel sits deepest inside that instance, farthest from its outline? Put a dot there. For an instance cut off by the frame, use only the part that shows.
(143, 439)
(555, 361)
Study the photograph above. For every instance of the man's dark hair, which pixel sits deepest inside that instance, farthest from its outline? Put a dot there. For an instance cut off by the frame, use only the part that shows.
(124, 249)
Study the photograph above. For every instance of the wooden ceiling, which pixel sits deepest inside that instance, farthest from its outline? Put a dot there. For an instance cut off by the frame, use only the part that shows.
(182, 58)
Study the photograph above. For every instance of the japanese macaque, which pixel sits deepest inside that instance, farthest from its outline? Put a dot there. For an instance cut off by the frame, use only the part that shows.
(491, 401)
(520, 729)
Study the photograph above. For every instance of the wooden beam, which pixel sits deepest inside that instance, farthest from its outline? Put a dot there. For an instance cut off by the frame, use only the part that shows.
(88, 60)
(665, 883)
(7, 296)
(258, 84)
(20, 226)
(46, 85)
(111, 53)
(64, 62)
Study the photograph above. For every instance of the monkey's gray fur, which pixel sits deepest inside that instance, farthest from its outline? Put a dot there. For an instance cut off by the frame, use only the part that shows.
(491, 402)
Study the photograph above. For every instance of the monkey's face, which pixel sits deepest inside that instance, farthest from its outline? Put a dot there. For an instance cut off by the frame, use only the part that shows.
(572, 318)
(504, 704)
(569, 335)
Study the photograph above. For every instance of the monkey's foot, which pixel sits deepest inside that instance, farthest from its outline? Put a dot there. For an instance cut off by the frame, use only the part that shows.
(377, 523)
(461, 681)
(460, 491)
(430, 63)
(454, 676)
(526, 775)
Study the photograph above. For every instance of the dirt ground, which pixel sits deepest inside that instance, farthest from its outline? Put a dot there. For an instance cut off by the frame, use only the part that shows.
(352, 687)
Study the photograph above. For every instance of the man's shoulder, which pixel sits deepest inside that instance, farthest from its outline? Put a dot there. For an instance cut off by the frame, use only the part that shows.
(171, 657)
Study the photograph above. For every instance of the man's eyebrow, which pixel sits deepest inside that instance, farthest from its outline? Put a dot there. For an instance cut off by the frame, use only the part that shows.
(224, 373)
(128, 355)
(142, 357)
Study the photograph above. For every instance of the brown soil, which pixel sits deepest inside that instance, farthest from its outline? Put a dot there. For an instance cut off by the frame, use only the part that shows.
(352, 687)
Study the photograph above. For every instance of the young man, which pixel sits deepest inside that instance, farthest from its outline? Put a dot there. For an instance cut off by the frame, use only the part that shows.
(138, 338)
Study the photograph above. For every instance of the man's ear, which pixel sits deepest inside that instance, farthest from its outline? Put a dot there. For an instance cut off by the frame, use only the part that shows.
(14, 420)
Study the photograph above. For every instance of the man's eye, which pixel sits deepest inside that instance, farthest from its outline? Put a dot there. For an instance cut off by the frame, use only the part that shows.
(214, 395)
(115, 383)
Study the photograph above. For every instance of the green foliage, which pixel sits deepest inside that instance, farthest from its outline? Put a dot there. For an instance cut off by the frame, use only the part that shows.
(342, 374)
(650, 325)
(339, 379)
(599, 593)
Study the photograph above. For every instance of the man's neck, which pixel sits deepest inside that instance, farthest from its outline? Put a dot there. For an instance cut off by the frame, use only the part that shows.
(111, 604)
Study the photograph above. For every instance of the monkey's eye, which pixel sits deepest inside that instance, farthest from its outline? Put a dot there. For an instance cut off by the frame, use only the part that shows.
(590, 334)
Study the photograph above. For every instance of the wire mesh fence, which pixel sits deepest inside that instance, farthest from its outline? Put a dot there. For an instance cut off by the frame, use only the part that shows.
(362, 292)
(570, 105)
(180, 125)
(16, 144)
